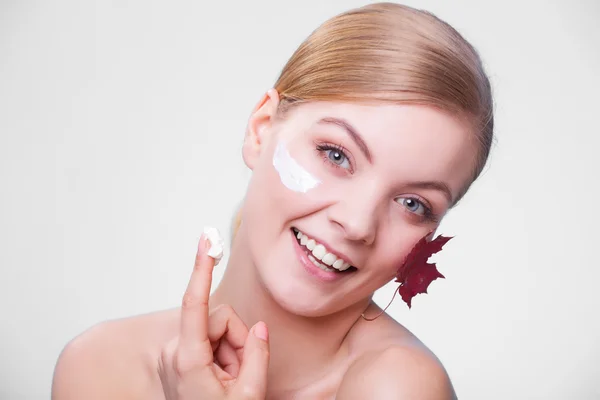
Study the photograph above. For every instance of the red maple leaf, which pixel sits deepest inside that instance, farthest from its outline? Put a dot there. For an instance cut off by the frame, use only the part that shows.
(416, 273)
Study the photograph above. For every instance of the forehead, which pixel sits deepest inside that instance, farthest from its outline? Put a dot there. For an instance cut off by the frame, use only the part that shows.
(415, 141)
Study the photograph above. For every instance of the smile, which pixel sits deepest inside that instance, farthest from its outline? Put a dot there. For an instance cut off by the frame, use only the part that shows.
(320, 255)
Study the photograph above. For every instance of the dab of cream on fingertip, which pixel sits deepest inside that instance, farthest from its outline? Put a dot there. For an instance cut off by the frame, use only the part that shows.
(217, 244)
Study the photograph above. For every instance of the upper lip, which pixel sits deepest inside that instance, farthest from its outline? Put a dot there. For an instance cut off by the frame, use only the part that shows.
(329, 249)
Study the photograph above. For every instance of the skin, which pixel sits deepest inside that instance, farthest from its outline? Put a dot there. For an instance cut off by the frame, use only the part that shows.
(318, 345)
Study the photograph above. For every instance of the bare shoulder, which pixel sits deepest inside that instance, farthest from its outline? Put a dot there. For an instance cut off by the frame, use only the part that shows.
(393, 364)
(397, 372)
(115, 359)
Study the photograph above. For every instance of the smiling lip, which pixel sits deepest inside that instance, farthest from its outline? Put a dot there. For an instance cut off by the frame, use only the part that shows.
(329, 249)
(311, 268)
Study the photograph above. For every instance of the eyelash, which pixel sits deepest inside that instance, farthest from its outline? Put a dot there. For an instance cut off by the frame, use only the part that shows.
(428, 214)
(321, 148)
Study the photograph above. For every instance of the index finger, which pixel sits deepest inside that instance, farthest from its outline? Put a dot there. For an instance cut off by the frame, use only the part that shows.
(193, 334)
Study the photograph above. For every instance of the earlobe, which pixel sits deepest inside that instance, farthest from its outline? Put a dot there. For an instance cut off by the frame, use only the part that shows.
(258, 129)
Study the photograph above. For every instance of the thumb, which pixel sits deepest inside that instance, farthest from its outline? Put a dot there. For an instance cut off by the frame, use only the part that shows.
(252, 380)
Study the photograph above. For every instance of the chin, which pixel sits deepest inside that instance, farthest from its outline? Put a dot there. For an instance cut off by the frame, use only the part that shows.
(297, 295)
(297, 298)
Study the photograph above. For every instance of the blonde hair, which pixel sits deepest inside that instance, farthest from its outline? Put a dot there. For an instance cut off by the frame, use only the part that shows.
(391, 53)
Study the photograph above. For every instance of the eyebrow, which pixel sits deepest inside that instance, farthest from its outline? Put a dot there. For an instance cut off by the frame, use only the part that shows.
(353, 133)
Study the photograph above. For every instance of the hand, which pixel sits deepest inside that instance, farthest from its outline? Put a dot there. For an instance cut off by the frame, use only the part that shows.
(214, 357)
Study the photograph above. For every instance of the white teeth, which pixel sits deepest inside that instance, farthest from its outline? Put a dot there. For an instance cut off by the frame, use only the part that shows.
(329, 259)
(318, 264)
(319, 251)
(338, 264)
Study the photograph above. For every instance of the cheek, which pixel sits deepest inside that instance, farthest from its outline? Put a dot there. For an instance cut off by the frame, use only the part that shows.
(392, 252)
(269, 201)
(292, 174)
(282, 181)
(289, 184)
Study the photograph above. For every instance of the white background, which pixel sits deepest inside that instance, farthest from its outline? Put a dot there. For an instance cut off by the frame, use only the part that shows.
(121, 124)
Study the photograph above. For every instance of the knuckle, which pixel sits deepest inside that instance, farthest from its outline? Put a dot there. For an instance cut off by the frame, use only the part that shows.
(182, 364)
(223, 309)
(166, 353)
(198, 262)
(248, 392)
(191, 300)
(261, 351)
(265, 352)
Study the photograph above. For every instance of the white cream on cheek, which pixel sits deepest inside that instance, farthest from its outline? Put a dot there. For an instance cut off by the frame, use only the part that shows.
(292, 174)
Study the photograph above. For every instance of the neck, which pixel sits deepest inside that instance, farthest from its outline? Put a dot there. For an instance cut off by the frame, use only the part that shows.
(300, 347)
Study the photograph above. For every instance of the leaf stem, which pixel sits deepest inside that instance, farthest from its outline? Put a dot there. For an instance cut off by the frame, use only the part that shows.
(382, 311)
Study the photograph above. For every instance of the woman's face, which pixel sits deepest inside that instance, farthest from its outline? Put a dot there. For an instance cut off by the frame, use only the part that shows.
(380, 177)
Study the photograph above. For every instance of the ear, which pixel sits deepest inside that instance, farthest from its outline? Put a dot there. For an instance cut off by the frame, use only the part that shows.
(259, 127)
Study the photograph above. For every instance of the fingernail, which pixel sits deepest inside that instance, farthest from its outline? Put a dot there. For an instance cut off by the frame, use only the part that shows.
(261, 331)
(202, 244)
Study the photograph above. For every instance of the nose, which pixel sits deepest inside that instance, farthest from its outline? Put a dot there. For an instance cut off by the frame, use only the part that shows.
(357, 217)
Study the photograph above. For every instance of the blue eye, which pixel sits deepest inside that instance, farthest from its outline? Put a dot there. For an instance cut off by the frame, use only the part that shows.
(413, 205)
(335, 155)
(338, 158)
